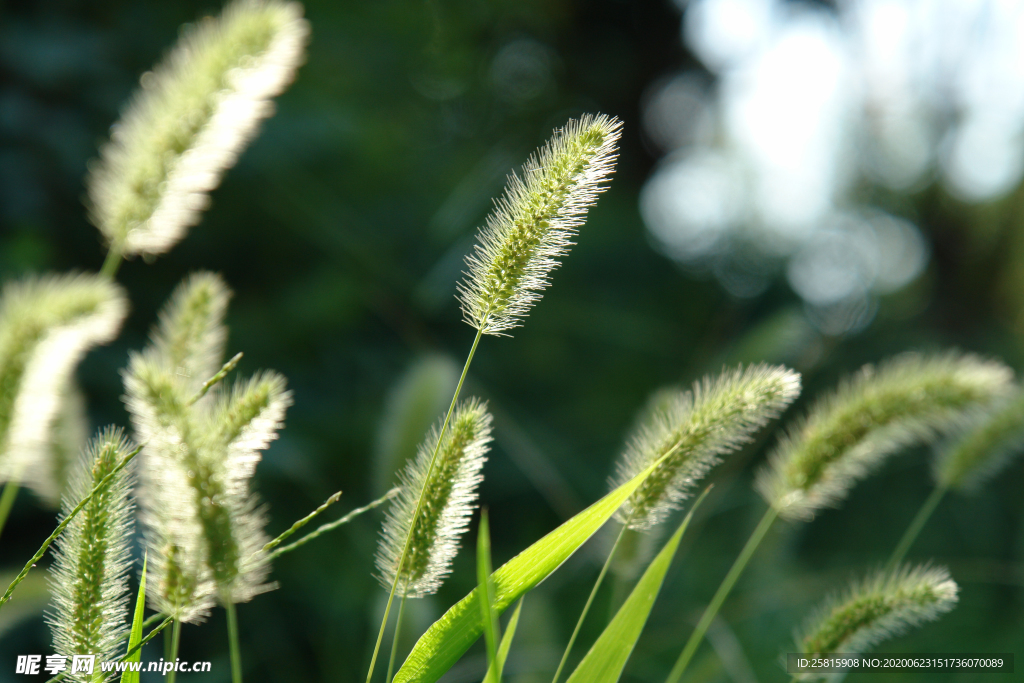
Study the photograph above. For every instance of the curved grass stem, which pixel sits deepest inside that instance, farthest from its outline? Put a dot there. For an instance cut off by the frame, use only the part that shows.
(394, 640)
(419, 504)
(920, 519)
(173, 654)
(111, 263)
(593, 592)
(723, 592)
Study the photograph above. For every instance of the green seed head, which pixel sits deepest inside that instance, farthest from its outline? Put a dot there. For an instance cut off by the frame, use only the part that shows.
(188, 123)
(533, 224)
(449, 497)
(909, 400)
(992, 438)
(693, 428)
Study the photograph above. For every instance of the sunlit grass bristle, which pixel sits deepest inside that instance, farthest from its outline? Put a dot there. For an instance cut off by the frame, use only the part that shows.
(533, 224)
(92, 559)
(449, 499)
(909, 400)
(204, 527)
(884, 605)
(695, 428)
(991, 440)
(189, 121)
(47, 324)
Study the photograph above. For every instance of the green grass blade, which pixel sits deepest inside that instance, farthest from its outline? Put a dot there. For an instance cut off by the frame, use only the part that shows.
(129, 676)
(607, 657)
(451, 635)
(506, 643)
(486, 590)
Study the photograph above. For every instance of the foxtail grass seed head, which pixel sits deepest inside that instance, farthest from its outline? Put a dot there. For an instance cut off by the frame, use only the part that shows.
(450, 496)
(696, 427)
(991, 440)
(203, 526)
(193, 115)
(46, 325)
(882, 606)
(909, 400)
(92, 558)
(533, 224)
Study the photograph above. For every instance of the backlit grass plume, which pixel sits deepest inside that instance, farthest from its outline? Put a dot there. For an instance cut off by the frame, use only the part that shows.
(534, 222)
(193, 115)
(882, 606)
(909, 400)
(449, 498)
(203, 526)
(89, 577)
(46, 325)
(697, 427)
(991, 440)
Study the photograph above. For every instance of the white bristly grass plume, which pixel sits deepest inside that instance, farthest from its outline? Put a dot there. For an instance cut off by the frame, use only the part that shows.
(882, 606)
(47, 324)
(92, 558)
(203, 526)
(534, 222)
(989, 443)
(188, 123)
(909, 400)
(696, 427)
(449, 499)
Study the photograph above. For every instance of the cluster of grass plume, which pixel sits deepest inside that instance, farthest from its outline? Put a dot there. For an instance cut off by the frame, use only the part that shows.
(203, 527)
(188, 123)
(89, 577)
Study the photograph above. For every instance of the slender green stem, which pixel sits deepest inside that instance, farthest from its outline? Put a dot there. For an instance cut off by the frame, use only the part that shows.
(7, 501)
(236, 656)
(221, 374)
(419, 503)
(910, 535)
(723, 592)
(301, 523)
(394, 640)
(60, 527)
(330, 526)
(111, 263)
(593, 592)
(173, 654)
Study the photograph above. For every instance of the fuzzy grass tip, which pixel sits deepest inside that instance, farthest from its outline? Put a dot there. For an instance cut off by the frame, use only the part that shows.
(449, 499)
(89, 577)
(985, 447)
(696, 427)
(534, 222)
(911, 399)
(193, 115)
(47, 324)
(882, 606)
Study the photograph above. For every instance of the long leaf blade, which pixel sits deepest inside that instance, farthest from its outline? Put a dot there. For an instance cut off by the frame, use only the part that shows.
(506, 645)
(451, 635)
(129, 675)
(608, 655)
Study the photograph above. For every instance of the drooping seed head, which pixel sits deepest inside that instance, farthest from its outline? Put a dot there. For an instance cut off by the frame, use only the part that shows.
(694, 428)
(909, 400)
(46, 325)
(89, 577)
(188, 123)
(449, 497)
(534, 222)
(882, 606)
(990, 441)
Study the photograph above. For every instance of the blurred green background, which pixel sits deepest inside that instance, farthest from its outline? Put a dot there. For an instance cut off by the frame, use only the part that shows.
(342, 232)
